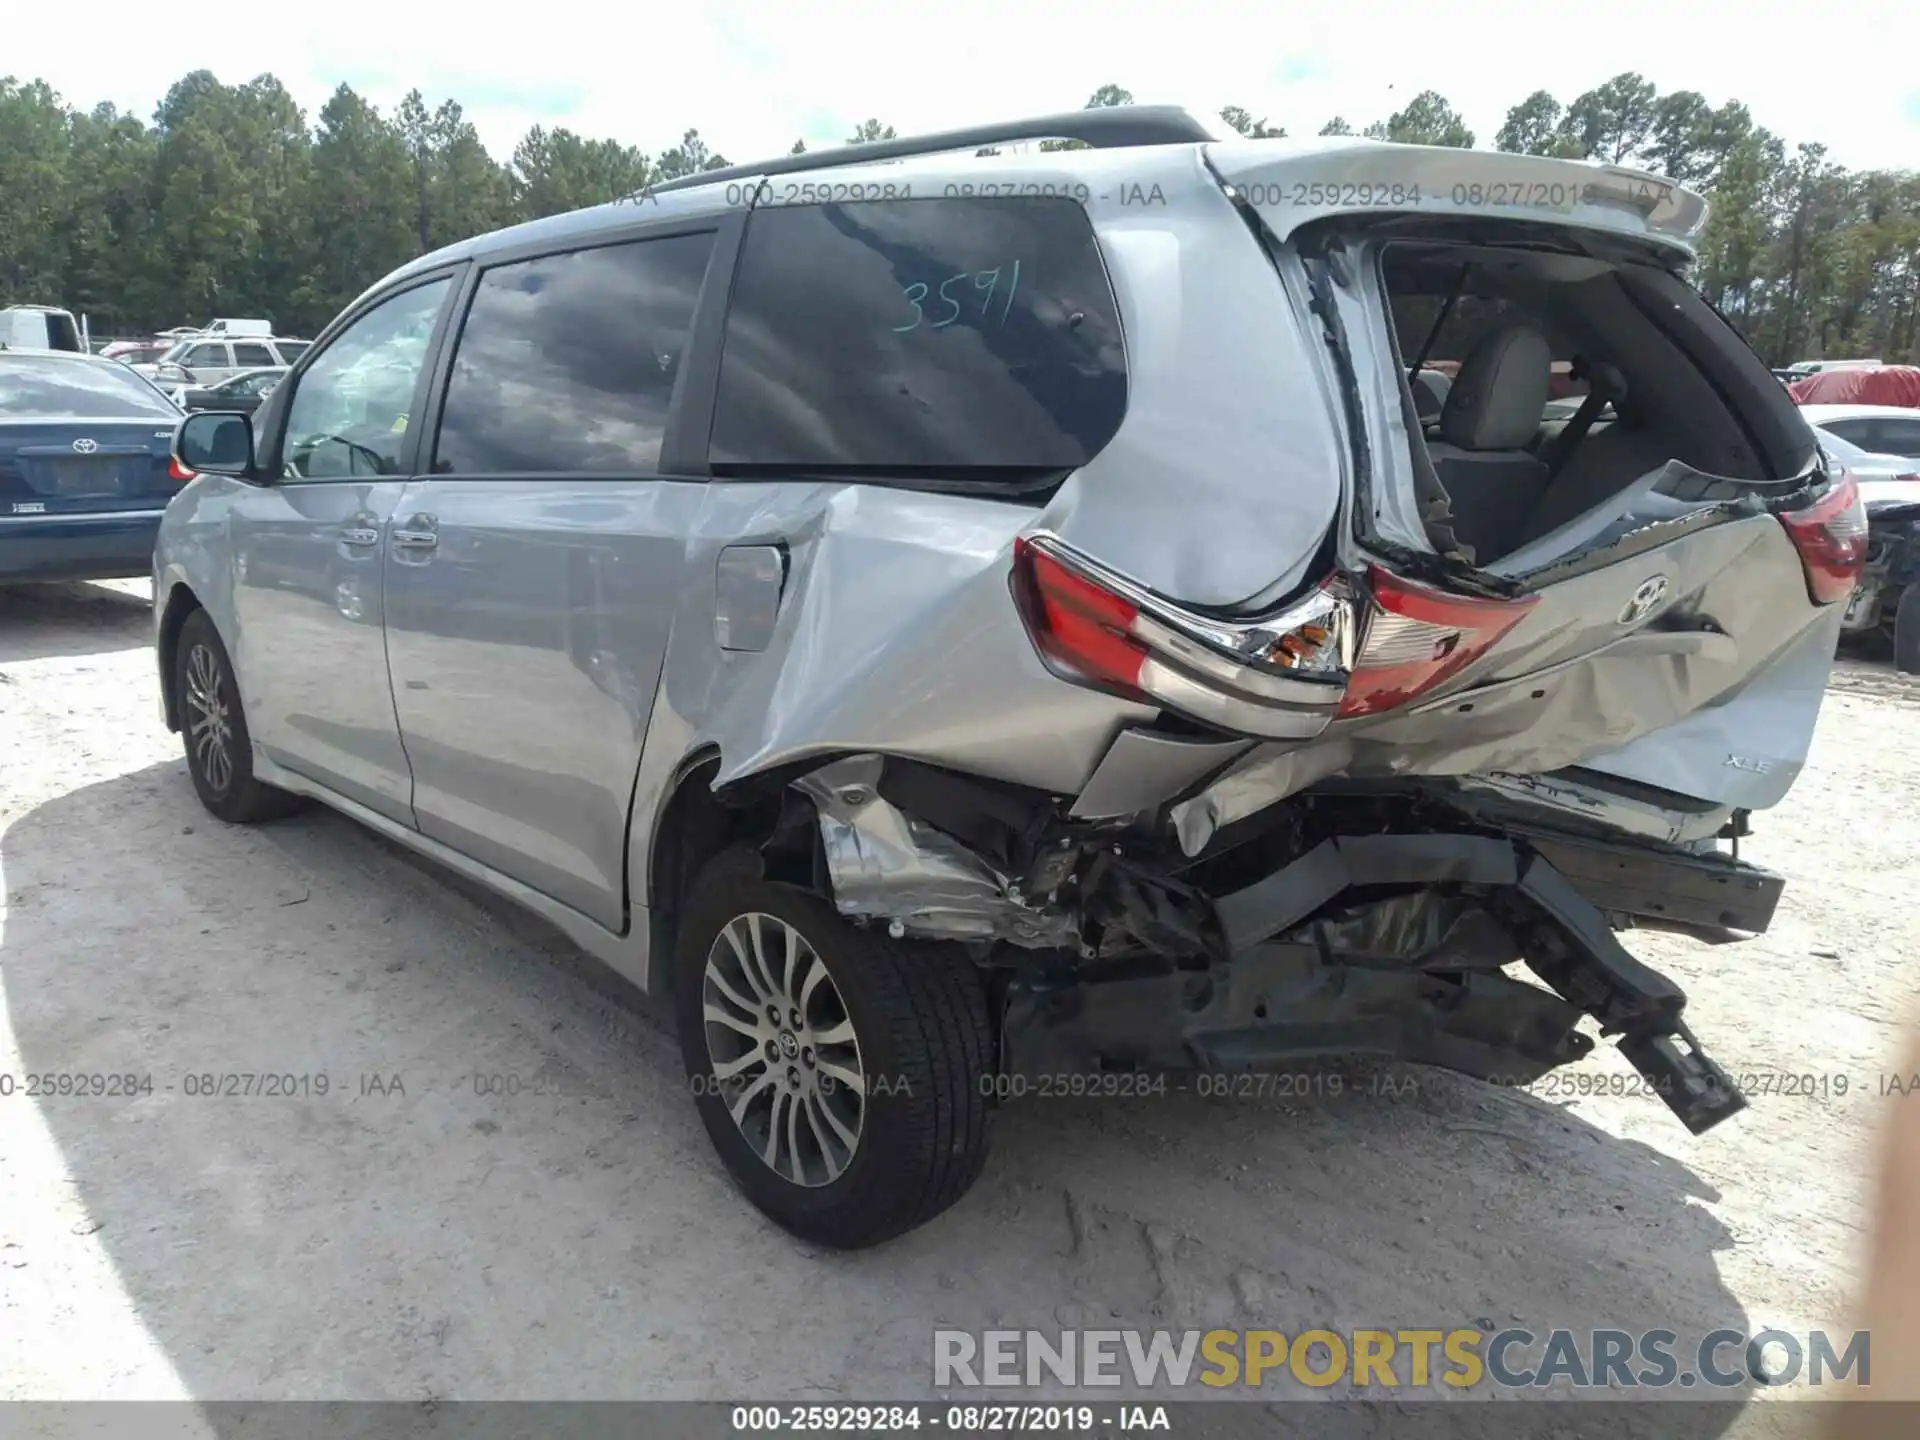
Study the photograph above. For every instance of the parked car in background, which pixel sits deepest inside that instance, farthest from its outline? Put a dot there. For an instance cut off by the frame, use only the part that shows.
(1820, 367)
(1876, 429)
(936, 639)
(243, 393)
(230, 328)
(200, 361)
(1885, 604)
(1895, 386)
(135, 352)
(40, 327)
(85, 467)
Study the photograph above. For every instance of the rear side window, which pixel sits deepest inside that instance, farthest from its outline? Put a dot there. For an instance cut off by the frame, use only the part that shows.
(1856, 432)
(902, 337)
(1898, 437)
(566, 364)
(213, 354)
(245, 353)
(292, 350)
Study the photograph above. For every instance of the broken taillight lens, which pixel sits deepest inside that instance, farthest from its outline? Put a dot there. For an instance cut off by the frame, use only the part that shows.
(1831, 536)
(1279, 677)
(1286, 676)
(1417, 638)
(1077, 624)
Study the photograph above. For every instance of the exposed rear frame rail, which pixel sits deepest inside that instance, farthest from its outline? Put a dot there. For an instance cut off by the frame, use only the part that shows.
(1564, 938)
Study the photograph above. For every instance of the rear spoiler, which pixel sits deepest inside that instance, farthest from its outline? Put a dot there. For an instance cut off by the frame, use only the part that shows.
(1295, 183)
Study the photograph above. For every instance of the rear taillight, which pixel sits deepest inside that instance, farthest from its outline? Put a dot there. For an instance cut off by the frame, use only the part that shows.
(1831, 536)
(1417, 638)
(1279, 677)
(177, 471)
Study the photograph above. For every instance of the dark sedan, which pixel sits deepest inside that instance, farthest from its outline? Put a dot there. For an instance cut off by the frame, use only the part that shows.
(85, 467)
(242, 392)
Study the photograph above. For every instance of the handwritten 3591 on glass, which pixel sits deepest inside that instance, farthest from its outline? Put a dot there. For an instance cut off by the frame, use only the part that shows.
(984, 282)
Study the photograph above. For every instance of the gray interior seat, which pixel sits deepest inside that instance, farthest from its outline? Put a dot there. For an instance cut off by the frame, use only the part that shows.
(1605, 461)
(1492, 413)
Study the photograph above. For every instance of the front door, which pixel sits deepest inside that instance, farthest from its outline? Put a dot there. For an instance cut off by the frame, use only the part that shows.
(308, 549)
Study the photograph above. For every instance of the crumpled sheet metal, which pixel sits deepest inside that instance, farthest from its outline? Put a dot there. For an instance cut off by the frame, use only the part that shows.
(1572, 684)
(1260, 778)
(896, 634)
(886, 865)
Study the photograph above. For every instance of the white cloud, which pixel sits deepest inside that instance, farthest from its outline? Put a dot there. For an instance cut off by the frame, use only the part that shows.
(753, 74)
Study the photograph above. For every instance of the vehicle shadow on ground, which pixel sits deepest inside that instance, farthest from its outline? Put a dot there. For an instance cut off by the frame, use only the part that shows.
(76, 618)
(505, 1193)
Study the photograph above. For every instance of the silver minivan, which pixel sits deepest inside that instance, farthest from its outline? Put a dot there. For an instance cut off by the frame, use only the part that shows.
(968, 626)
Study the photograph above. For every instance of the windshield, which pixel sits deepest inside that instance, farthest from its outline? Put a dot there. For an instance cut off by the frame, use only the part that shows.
(83, 389)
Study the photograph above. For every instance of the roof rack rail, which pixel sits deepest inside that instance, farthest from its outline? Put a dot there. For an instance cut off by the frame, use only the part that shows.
(1107, 128)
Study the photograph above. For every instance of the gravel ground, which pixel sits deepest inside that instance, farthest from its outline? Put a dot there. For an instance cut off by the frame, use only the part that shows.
(407, 1237)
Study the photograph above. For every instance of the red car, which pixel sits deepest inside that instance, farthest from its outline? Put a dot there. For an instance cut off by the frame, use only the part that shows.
(1882, 385)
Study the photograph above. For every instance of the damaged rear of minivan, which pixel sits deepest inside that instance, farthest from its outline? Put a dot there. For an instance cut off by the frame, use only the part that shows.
(1387, 777)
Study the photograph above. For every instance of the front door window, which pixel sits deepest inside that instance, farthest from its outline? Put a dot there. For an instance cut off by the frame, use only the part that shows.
(353, 405)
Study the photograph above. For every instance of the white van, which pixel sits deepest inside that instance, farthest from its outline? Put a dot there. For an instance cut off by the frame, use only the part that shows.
(40, 327)
(250, 328)
(1814, 367)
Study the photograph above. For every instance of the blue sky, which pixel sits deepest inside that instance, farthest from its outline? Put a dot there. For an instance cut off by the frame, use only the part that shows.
(754, 74)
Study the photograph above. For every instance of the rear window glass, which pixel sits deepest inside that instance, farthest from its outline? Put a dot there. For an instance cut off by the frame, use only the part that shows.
(291, 350)
(251, 353)
(920, 335)
(79, 388)
(566, 364)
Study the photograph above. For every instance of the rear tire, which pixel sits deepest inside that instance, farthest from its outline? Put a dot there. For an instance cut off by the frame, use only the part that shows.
(901, 1133)
(213, 728)
(1906, 631)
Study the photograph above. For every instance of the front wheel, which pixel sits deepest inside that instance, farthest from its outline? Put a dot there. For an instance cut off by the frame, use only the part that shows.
(840, 1074)
(1906, 631)
(213, 726)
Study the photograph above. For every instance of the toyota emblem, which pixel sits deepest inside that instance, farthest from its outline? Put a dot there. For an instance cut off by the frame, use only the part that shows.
(86, 447)
(1647, 599)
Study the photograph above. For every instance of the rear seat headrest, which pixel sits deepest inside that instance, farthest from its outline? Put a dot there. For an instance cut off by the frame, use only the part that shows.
(1497, 400)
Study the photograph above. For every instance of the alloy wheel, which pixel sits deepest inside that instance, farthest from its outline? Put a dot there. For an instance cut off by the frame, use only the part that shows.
(208, 723)
(783, 1050)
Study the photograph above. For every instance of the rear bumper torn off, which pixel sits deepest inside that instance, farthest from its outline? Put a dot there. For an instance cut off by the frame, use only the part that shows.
(1404, 978)
(1394, 942)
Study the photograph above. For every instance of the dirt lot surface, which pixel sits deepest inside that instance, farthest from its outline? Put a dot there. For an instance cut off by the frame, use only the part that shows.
(406, 1236)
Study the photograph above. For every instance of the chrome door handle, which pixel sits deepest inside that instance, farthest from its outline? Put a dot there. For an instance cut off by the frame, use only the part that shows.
(359, 535)
(419, 535)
